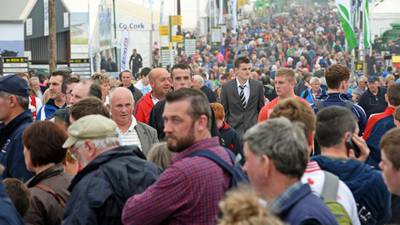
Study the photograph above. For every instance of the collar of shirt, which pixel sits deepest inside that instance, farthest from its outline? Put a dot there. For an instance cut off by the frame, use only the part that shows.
(247, 84)
(277, 205)
(155, 100)
(202, 144)
(131, 127)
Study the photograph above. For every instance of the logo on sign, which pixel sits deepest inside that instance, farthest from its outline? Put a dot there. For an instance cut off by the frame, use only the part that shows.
(131, 26)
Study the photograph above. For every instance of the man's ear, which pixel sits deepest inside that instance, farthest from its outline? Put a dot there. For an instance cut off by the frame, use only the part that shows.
(267, 165)
(202, 123)
(91, 148)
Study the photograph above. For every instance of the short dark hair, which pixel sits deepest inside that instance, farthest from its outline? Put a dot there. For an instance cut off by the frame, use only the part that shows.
(182, 66)
(125, 71)
(393, 94)
(145, 71)
(18, 193)
(199, 104)
(88, 106)
(332, 123)
(67, 82)
(65, 74)
(240, 60)
(336, 74)
(390, 143)
(46, 147)
(95, 90)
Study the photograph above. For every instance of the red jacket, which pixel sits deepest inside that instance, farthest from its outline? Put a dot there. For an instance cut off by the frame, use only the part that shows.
(143, 108)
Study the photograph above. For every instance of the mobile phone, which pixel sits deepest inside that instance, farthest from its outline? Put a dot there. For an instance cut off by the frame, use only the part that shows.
(350, 145)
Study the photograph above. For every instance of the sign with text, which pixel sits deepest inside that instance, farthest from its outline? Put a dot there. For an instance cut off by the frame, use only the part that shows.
(177, 38)
(176, 20)
(164, 30)
(190, 46)
(80, 66)
(11, 65)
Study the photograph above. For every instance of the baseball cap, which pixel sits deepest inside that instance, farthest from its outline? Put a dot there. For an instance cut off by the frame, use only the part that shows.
(90, 127)
(373, 78)
(15, 85)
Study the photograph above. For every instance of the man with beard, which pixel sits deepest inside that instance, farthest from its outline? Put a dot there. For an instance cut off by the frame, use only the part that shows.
(189, 190)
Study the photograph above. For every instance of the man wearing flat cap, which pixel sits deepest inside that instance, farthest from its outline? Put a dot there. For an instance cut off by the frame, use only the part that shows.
(109, 173)
(14, 118)
(373, 99)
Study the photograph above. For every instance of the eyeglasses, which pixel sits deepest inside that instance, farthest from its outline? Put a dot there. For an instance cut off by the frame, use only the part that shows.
(73, 151)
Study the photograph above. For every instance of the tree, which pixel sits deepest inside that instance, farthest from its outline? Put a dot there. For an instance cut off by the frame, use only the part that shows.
(52, 36)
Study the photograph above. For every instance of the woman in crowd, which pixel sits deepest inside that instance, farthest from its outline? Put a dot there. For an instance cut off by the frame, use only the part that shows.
(44, 156)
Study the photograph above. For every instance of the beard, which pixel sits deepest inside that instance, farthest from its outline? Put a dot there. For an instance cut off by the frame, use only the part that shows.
(177, 145)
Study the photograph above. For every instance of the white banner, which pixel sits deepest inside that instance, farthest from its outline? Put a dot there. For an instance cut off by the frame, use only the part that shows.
(46, 17)
(234, 13)
(124, 50)
(221, 12)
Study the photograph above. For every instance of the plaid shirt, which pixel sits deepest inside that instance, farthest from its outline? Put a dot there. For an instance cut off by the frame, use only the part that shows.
(187, 192)
(282, 199)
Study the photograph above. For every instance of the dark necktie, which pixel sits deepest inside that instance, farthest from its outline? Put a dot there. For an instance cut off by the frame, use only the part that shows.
(242, 96)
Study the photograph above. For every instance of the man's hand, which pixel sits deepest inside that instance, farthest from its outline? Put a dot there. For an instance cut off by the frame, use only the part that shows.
(362, 145)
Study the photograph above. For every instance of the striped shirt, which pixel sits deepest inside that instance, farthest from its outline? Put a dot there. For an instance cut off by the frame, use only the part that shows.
(130, 137)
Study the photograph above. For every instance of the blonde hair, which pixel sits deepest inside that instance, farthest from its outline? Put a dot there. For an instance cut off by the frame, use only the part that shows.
(243, 207)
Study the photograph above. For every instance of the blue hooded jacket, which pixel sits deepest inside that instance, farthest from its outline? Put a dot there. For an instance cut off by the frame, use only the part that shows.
(8, 214)
(366, 184)
(11, 147)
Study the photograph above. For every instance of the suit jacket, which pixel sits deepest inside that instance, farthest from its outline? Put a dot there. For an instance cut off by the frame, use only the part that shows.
(238, 118)
(147, 136)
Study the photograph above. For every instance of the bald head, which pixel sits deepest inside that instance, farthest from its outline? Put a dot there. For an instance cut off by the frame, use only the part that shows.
(160, 82)
(156, 73)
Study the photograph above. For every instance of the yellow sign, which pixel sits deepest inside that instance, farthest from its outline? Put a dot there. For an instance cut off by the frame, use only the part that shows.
(15, 60)
(396, 59)
(176, 20)
(359, 65)
(79, 61)
(164, 30)
(177, 38)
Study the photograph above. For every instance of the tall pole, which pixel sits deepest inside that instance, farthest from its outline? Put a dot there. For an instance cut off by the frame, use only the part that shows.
(179, 26)
(151, 37)
(115, 34)
(52, 36)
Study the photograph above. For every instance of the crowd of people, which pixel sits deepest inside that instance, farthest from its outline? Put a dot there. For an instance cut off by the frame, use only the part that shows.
(272, 128)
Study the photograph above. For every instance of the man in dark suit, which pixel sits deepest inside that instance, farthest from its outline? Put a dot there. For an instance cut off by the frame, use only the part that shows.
(135, 63)
(242, 98)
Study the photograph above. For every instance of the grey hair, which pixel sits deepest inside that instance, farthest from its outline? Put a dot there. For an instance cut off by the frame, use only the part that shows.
(112, 93)
(314, 80)
(22, 100)
(283, 142)
(199, 79)
(100, 143)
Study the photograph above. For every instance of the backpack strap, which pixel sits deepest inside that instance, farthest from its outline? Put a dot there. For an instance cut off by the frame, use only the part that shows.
(216, 159)
(56, 196)
(331, 186)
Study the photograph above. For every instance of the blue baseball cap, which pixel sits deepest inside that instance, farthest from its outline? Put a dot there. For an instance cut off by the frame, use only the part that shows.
(15, 85)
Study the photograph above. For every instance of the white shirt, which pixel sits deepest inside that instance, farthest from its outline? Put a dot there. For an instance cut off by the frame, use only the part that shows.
(143, 88)
(130, 137)
(315, 177)
(246, 89)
